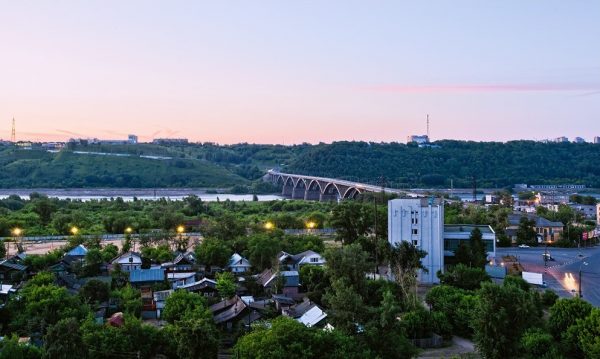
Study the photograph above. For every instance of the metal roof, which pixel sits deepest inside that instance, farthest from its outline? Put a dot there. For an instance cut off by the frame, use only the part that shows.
(147, 275)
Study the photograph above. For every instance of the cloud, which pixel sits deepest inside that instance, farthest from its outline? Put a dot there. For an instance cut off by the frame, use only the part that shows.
(458, 88)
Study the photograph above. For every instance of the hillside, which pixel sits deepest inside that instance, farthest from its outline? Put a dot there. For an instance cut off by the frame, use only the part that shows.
(493, 164)
(32, 168)
(210, 165)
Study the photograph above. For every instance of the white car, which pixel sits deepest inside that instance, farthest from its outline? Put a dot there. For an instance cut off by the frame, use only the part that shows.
(523, 246)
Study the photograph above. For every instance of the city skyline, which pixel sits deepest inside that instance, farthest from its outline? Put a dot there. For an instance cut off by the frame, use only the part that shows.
(293, 73)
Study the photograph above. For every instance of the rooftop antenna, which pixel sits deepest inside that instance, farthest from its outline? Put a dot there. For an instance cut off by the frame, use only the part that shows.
(13, 133)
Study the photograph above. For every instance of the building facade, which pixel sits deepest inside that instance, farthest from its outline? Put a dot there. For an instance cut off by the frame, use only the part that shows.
(419, 221)
(420, 139)
(598, 214)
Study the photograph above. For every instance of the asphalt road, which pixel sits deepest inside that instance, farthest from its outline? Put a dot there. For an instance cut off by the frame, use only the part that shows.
(562, 274)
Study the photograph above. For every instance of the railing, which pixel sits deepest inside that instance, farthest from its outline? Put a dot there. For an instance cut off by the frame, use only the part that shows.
(323, 231)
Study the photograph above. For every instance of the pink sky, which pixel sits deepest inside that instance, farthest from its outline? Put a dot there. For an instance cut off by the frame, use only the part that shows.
(303, 72)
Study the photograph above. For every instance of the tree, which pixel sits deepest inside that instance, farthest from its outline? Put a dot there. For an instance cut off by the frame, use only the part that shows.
(526, 232)
(196, 338)
(351, 220)
(213, 252)
(94, 291)
(129, 299)
(464, 277)
(565, 313)
(93, 261)
(502, 315)
(226, 285)
(589, 334)
(538, 344)
(64, 341)
(405, 260)
(262, 250)
(314, 281)
(346, 304)
(349, 262)
(183, 304)
(11, 349)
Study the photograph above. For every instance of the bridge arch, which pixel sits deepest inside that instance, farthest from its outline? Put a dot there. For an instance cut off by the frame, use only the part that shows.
(288, 187)
(299, 189)
(351, 193)
(331, 192)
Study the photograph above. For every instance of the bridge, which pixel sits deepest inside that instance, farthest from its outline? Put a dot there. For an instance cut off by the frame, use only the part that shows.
(313, 188)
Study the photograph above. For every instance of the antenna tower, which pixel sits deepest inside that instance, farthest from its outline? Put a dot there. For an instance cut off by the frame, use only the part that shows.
(428, 127)
(13, 132)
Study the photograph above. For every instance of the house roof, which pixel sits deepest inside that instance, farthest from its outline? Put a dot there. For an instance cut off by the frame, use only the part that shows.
(282, 299)
(79, 251)
(515, 218)
(180, 275)
(237, 260)
(204, 283)
(12, 265)
(147, 275)
(127, 258)
(232, 312)
(312, 316)
(299, 258)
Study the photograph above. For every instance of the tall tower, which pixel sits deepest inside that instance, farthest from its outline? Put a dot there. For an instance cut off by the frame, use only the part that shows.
(428, 128)
(13, 133)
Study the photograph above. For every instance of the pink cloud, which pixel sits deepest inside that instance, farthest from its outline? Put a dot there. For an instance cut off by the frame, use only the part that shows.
(481, 88)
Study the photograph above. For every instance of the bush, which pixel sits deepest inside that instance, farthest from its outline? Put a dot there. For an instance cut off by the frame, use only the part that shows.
(549, 298)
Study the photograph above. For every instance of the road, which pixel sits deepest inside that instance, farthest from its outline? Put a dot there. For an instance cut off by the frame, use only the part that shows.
(562, 274)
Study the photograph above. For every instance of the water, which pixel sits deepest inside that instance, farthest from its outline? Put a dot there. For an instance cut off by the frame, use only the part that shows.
(128, 194)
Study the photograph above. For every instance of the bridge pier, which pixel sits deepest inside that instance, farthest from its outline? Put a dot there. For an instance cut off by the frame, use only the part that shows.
(298, 193)
(312, 195)
(287, 191)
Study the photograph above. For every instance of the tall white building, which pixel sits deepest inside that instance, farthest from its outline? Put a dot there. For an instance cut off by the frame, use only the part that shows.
(596, 140)
(598, 214)
(419, 221)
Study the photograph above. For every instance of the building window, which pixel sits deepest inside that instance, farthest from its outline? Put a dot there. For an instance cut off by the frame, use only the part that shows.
(415, 242)
(314, 260)
(415, 231)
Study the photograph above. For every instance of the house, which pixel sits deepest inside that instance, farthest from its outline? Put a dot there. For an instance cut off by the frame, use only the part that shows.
(547, 231)
(140, 277)
(293, 262)
(160, 299)
(205, 287)
(455, 234)
(6, 290)
(234, 310)
(183, 262)
(307, 313)
(238, 264)
(128, 262)
(290, 282)
(11, 271)
(179, 279)
(73, 257)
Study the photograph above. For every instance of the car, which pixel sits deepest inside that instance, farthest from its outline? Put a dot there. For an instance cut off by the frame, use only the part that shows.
(523, 246)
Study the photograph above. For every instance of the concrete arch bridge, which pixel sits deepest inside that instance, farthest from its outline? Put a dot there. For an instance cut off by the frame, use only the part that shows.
(313, 188)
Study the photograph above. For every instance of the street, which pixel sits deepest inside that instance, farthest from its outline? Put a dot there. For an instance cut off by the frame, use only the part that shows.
(562, 274)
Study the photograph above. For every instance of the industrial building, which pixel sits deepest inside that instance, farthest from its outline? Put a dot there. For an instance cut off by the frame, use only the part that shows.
(420, 221)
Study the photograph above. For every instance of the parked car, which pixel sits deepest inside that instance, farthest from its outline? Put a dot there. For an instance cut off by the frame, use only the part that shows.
(523, 246)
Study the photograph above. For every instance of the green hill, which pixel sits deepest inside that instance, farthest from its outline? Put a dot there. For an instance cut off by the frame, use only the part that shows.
(34, 168)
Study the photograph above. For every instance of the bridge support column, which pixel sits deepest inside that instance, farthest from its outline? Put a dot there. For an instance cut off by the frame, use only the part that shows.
(328, 197)
(312, 195)
(298, 193)
(287, 191)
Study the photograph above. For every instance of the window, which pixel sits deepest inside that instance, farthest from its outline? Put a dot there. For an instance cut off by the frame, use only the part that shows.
(415, 231)
(314, 260)
(415, 242)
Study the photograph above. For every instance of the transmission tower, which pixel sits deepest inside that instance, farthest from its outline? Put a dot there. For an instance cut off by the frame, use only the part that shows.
(13, 133)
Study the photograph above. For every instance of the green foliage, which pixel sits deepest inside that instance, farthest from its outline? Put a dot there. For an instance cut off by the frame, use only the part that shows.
(351, 220)
(64, 340)
(129, 300)
(526, 232)
(589, 334)
(196, 338)
(536, 343)
(94, 291)
(314, 281)
(262, 250)
(549, 297)
(565, 313)
(213, 252)
(11, 349)
(472, 253)
(464, 277)
(456, 304)
(502, 315)
(511, 280)
(286, 338)
(347, 308)
(226, 285)
(184, 305)
(351, 263)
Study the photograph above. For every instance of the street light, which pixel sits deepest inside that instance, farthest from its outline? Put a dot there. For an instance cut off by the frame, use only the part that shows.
(74, 230)
(128, 230)
(582, 264)
(180, 229)
(311, 225)
(17, 232)
(269, 225)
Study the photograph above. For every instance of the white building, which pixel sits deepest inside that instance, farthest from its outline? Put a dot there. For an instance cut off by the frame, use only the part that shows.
(598, 214)
(579, 140)
(129, 261)
(132, 139)
(419, 221)
(596, 140)
(419, 139)
(238, 264)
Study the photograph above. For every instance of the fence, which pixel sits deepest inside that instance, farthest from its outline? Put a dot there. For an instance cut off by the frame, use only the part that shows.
(104, 237)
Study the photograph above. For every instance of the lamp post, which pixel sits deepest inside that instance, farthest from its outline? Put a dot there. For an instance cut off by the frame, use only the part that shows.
(582, 264)
(269, 226)
(16, 232)
(180, 229)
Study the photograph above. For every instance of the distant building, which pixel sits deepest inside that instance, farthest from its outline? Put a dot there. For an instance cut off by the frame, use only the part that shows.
(578, 140)
(419, 221)
(551, 198)
(597, 140)
(455, 234)
(170, 141)
(132, 139)
(546, 230)
(587, 210)
(561, 139)
(419, 139)
(598, 214)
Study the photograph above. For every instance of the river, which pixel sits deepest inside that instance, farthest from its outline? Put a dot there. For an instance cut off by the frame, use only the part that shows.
(128, 194)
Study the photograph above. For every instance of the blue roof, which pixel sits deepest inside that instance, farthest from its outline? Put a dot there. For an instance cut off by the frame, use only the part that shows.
(292, 278)
(147, 275)
(79, 251)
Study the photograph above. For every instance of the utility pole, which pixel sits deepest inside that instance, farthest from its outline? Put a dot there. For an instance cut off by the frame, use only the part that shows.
(13, 132)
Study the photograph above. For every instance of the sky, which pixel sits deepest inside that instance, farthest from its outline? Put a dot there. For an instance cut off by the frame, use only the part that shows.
(300, 71)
